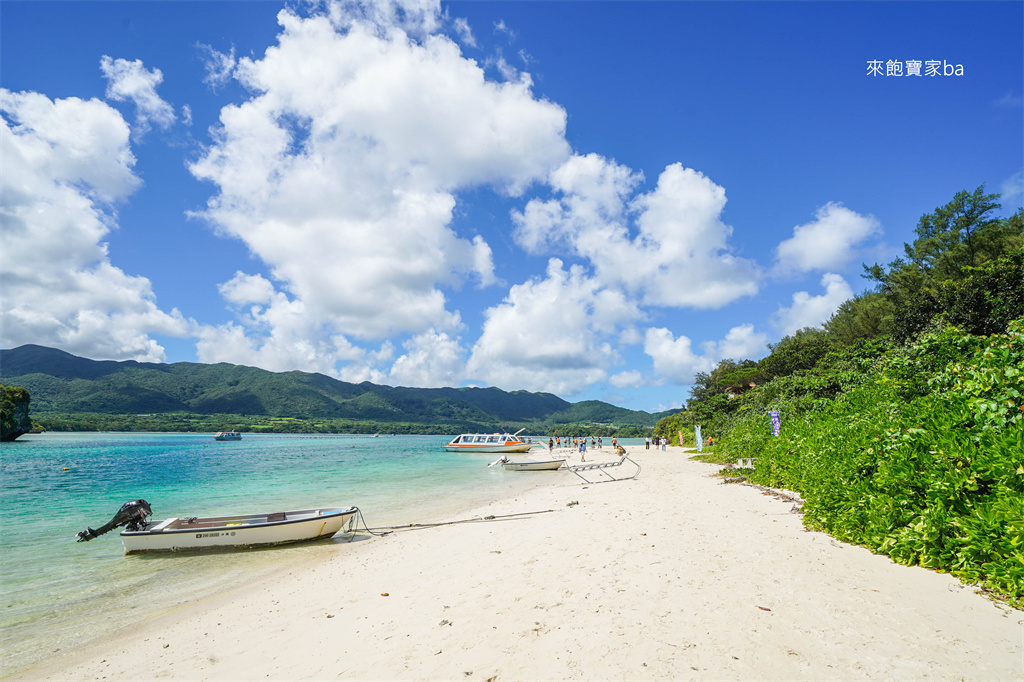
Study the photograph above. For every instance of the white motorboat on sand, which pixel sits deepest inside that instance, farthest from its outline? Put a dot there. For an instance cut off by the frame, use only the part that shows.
(220, 532)
(549, 465)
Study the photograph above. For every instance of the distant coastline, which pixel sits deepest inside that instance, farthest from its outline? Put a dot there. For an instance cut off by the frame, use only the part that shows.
(71, 393)
(185, 423)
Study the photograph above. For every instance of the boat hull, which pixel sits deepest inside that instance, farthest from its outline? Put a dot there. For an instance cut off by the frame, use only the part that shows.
(550, 465)
(251, 530)
(492, 447)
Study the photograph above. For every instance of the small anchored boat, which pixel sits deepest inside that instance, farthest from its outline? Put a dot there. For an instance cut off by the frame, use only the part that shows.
(489, 442)
(220, 532)
(549, 465)
(227, 435)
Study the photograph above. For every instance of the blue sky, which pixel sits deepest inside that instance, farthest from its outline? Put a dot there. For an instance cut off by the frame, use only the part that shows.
(592, 199)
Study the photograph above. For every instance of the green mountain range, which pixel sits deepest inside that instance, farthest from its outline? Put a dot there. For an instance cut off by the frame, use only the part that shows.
(64, 384)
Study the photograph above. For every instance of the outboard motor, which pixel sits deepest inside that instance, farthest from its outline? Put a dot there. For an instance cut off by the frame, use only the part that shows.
(131, 514)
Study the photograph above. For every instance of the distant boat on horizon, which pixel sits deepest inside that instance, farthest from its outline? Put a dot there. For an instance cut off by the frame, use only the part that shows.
(227, 435)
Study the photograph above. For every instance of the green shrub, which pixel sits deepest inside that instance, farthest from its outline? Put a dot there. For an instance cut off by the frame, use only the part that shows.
(919, 455)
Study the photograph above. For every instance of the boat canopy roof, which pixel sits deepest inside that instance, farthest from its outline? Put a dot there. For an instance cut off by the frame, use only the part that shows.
(484, 438)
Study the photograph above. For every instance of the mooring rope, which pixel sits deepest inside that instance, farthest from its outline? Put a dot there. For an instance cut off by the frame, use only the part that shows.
(365, 527)
(387, 530)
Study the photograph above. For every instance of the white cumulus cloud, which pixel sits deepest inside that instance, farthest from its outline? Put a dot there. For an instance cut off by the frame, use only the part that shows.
(551, 334)
(464, 32)
(416, 18)
(675, 358)
(66, 162)
(668, 247)
(431, 359)
(131, 81)
(631, 378)
(220, 66)
(828, 242)
(813, 311)
(340, 173)
(243, 289)
(1012, 191)
(739, 343)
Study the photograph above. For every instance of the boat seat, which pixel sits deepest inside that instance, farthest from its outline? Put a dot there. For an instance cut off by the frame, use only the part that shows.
(163, 524)
(278, 516)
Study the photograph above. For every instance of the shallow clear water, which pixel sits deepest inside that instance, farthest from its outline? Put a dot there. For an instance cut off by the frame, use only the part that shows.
(57, 594)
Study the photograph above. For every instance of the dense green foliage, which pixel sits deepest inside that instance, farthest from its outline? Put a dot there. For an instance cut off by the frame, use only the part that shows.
(903, 417)
(921, 457)
(14, 419)
(72, 393)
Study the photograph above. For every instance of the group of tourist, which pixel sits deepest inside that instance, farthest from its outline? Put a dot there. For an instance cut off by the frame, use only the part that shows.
(576, 441)
(580, 444)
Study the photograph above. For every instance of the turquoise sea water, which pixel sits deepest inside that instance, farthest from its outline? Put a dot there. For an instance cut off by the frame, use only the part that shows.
(57, 594)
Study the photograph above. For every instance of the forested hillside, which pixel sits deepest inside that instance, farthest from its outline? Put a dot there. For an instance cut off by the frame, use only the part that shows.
(902, 419)
(73, 392)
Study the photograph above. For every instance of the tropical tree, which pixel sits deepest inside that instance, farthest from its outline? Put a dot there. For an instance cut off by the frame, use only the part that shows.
(800, 350)
(951, 242)
(859, 318)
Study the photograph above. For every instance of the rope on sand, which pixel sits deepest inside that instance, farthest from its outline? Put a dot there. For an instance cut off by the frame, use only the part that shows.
(387, 530)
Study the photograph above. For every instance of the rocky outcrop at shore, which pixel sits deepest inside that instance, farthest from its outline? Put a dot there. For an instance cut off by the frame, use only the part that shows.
(14, 419)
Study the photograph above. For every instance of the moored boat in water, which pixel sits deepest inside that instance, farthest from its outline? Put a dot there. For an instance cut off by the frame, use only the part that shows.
(227, 435)
(489, 442)
(222, 532)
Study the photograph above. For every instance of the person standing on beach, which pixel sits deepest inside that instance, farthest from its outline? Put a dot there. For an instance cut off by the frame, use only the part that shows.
(583, 449)
(647, 443)
(551, 444)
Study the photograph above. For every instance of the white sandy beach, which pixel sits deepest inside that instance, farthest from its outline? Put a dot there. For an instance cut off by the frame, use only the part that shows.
(673, 575)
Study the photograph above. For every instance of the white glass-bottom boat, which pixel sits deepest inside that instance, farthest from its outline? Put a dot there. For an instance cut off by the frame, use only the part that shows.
(489, 442)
